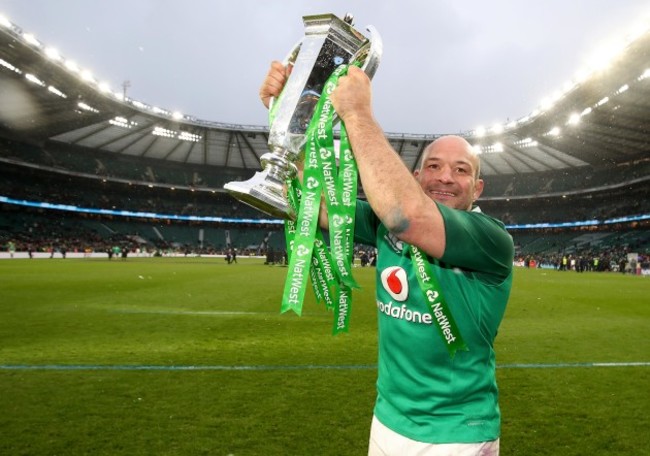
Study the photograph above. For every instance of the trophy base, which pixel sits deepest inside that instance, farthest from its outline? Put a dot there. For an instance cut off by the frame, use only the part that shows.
(263, 193)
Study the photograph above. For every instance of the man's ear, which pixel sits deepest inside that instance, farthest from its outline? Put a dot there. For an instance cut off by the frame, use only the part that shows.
(478, 189)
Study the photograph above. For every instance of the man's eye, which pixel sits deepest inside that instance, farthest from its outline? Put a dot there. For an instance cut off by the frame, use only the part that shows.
(461, 170)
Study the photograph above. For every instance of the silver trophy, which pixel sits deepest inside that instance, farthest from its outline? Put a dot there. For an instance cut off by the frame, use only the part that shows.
(328, 43)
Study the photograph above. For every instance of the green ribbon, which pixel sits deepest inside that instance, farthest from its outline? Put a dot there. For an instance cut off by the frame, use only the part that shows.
(305, 233)
(347, 190)
(442, 317)
(322, 262)
(330, 273)
(293, 196)
(321, 275)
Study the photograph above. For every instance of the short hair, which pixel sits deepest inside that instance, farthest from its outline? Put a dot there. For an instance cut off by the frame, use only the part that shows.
(477, 172)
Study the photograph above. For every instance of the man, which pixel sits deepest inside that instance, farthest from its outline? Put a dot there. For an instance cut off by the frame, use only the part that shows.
(428, 402)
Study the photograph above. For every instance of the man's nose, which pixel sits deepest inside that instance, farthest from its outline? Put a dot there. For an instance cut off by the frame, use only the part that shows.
(445, 175)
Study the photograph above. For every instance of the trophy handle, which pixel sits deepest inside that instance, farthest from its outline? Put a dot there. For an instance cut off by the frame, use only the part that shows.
(370, 53)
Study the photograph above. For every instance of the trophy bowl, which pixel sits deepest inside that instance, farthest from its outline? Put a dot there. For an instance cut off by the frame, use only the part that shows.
(328, 42)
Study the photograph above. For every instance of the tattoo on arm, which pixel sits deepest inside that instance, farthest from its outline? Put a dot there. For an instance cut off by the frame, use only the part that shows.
(396, 222)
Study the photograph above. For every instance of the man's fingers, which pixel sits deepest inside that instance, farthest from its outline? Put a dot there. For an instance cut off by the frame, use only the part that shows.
(274, 82)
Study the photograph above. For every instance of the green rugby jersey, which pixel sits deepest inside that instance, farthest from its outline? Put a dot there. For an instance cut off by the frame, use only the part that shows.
(422, 393)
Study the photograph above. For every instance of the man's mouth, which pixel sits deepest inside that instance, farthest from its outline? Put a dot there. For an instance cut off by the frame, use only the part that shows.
(441, 194)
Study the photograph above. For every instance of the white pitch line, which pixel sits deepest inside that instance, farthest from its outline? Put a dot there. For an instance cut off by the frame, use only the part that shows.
(190, 312)
(73, 367)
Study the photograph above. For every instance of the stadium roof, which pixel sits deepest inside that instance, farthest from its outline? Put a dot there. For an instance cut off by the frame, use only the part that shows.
(601, 121)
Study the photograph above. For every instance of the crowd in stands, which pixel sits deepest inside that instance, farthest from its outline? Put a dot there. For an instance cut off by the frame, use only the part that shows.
(107, 165)
(39, 186)
(565, 181)
(34, 185)
(59, 231)
(614, 259)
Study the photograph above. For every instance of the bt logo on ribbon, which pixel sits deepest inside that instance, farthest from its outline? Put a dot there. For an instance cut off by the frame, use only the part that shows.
(395, 282)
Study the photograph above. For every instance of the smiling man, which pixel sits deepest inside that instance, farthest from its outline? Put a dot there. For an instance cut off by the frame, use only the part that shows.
(449, 173)
(444, 274)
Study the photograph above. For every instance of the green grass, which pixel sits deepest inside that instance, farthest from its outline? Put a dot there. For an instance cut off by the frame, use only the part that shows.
(203, 312)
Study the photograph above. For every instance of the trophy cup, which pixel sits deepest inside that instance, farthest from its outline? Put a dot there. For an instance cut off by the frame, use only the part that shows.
(328, 43)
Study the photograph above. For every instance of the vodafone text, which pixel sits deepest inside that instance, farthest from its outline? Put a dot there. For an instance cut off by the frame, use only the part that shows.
(404, 313)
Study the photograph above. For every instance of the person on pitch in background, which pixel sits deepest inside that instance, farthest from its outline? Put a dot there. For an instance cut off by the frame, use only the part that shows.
(428, 402)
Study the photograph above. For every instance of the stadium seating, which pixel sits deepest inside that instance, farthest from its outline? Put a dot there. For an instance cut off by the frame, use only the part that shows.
(70, 175)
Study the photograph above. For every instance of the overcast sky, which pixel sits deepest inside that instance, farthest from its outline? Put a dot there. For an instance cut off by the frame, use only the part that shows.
(448, 66)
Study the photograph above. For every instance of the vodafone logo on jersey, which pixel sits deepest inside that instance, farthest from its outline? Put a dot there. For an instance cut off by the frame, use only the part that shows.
(395, 282)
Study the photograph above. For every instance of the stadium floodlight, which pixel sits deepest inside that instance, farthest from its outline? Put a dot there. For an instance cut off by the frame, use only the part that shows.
(546, 104)
(497, 129)
(87, 76)
(622, 89)
(497, 147)
(585, 112)
(56, 91)
(606, 55)
(479, 132)
(160, 131)
(31, 39)
(644, 75)
(556, 96)
(104, 87)
(30, 77)
(87, 107)
(582, 75)
(5, 22)
(177, 115)
(568, 86)
(187, 136)
(9, 66)
(637, 32)
(72, 66)
(52, 54)
(574, 119)
(123, 122)
(477, 149)
(526, 142)
(602, 101)
(555, 131)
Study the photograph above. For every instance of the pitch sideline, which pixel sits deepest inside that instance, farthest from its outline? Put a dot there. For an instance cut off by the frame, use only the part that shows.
(126, 367)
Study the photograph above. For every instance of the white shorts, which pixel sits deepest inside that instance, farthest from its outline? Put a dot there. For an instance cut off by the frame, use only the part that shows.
(385, 442)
